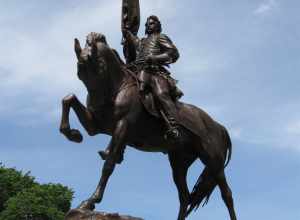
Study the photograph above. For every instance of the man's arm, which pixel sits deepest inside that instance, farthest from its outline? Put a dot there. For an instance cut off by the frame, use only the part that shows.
(130, 44)
(130, 38)
(170, 53)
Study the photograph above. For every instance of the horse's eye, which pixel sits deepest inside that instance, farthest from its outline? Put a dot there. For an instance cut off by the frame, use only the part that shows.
(101, 65)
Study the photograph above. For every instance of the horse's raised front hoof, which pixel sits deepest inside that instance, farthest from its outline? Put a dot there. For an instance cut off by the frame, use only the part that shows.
(87, 205)
(75, 136)
(65, 129)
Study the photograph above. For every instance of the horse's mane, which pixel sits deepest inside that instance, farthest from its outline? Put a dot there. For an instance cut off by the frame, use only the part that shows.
(125, 68)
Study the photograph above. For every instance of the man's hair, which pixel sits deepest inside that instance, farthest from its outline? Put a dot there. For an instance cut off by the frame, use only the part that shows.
(156, 19)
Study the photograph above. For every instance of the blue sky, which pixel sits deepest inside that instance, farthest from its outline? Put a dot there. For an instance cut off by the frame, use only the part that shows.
(239, 61)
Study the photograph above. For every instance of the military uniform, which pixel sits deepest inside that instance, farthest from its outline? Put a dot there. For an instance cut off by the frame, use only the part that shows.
(153, 76)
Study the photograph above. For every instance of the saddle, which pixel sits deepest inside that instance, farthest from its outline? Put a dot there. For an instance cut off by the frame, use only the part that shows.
(192, 118)
(185, 111)
(148, 99)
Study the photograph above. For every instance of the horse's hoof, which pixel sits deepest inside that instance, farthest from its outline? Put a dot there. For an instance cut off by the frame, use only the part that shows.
(75, 136)
(65, 129)
(86, 205)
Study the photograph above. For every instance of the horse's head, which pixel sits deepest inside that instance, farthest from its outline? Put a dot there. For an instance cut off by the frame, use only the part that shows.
(93, 60)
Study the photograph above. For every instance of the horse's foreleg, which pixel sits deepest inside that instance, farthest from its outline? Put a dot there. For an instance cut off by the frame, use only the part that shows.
(117, 145)
(84, 116)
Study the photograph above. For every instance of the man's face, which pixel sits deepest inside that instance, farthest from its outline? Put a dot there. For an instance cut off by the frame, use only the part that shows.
(151, 26)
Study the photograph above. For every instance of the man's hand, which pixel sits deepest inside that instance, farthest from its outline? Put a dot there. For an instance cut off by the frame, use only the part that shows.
(126, 33)
(151, 59)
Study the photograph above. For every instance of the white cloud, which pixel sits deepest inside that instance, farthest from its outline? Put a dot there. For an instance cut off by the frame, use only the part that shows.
(293, 128)
(38, 66)
(235, 132)
(265, 7)
(47, 55)
(272, 131)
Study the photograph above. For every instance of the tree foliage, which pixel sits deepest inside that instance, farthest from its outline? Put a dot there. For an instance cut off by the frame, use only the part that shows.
(25, 199)
(12, 182)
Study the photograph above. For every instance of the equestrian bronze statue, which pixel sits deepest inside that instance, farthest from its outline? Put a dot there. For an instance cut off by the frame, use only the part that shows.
(136, 102)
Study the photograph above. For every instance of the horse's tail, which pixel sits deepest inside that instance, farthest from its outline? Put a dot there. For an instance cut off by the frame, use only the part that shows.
(202, 190)
(206, 182)
(228, 146)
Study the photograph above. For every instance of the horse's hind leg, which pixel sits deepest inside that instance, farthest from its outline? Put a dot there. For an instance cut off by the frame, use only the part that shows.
(180, 166)
(226, 194)
(84, 116)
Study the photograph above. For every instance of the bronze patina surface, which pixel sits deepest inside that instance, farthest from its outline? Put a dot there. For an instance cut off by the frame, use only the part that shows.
(137, 104)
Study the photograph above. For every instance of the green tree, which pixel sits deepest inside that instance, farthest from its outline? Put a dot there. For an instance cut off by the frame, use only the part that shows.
(37, 201)
(12, 182)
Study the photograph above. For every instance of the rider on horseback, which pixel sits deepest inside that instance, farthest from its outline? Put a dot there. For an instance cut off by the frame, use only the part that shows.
(150, 57)
(153, 53)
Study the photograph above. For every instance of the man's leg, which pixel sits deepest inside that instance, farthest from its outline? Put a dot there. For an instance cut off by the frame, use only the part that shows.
(144, 79)
(161, 91)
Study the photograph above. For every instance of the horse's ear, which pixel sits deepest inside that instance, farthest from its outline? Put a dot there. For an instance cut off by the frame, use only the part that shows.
(77, 48)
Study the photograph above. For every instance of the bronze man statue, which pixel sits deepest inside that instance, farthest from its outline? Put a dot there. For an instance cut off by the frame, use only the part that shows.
(153, 53)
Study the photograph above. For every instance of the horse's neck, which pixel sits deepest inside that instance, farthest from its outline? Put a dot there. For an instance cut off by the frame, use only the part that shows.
(114, 79)
(112, 83)
(117, 75)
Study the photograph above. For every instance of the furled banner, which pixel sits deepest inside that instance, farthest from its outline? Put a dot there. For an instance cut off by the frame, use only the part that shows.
(130, 20)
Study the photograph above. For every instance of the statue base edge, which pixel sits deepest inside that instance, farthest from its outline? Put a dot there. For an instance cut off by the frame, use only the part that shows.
(84, 214)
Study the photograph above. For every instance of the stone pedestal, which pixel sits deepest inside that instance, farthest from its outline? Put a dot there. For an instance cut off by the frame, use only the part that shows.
(79, 214)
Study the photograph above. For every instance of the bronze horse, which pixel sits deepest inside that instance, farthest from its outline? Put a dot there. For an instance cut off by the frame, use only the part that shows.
(114, 107)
